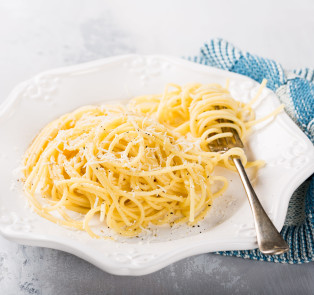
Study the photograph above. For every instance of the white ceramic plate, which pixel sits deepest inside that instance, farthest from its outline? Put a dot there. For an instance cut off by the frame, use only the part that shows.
(229, 225)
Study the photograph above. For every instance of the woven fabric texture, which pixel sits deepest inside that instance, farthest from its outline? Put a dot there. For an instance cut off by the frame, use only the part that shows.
(295, 89)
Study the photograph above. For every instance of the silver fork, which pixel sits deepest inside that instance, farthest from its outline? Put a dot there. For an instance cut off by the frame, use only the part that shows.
(269, 239)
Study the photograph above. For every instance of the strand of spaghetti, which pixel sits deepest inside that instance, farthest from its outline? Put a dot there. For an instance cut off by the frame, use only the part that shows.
(257, 95)
(88, 217)
(270, 115)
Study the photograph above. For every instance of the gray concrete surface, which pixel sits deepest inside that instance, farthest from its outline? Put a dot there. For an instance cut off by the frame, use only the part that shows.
(32, 270)
(38, 35)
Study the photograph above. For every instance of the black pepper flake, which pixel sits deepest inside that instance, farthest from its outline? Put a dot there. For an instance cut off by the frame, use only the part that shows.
(208, 205)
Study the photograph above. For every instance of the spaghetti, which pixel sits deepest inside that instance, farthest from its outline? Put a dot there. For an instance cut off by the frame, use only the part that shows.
(147, 163)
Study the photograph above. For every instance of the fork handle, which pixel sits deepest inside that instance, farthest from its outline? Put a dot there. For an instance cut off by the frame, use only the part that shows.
(268, 238)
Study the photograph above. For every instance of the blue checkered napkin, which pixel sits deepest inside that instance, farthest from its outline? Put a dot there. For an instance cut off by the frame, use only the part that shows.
(296, 90)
